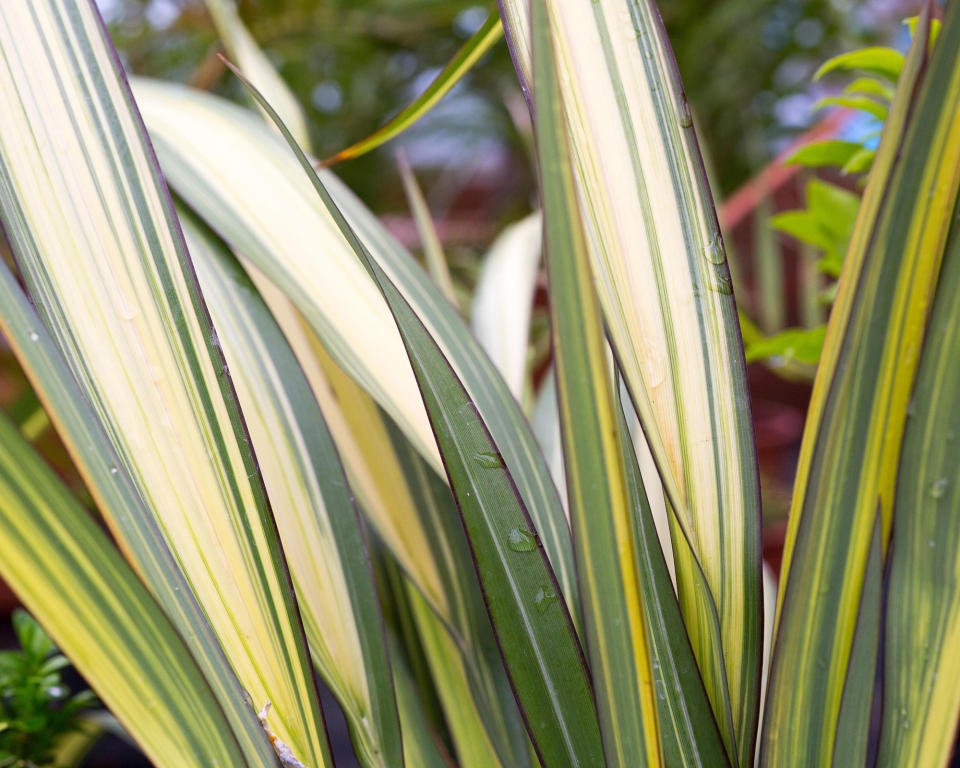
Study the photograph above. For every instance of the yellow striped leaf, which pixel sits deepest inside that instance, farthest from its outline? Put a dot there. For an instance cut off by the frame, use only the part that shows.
(852, 443)
(69, 575)
(921, 666)
(666, 295)
(96, 239)
(600, 512)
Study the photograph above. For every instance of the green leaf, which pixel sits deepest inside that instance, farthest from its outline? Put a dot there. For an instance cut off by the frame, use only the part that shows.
(860, 162)
(830, 152)
(64, 568)
(826, 223)
(801, 344)
(851, 449)
(471, 52)
(885, 62)
(97, 242)
(871, 87)
(533, 627)
(863, 103)
(665, 291)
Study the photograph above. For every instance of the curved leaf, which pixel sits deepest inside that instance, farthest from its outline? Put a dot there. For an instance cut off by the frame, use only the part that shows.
(534, 629)
(851, 448)
(267, 211)
(471, 52)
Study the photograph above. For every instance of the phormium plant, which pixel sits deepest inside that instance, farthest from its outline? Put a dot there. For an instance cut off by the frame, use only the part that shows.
(308, 462)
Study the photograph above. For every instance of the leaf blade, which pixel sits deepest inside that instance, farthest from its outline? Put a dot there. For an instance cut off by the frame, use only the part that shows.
(94, 233)
(665, 290)
(71, 577)
(596, 478)
(861, 397)
(472, 51)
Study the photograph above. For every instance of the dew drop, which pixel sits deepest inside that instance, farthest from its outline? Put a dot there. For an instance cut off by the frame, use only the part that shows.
(521, 540)
(113, 470)
(714, 250)
(684, 117)
(722, 285)
(488, 459)
(939, 487)
(34, 336)
(545, 597)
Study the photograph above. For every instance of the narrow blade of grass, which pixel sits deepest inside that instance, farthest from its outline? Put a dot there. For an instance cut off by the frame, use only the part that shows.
(471, 52)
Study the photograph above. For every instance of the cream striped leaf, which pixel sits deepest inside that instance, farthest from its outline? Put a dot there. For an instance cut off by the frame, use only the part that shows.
(130, 521)
(667, 299)
(311, 501)
(66, 571)
(96, 239)
(265, 209)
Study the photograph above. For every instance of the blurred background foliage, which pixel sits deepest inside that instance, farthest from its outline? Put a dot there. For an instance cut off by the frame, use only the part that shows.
(746, 65)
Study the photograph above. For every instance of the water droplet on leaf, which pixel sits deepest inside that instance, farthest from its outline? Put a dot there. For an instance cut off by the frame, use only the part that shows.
(545, 598)
(489, 459)
(521, 540)
(939, 487)
(714, 250)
